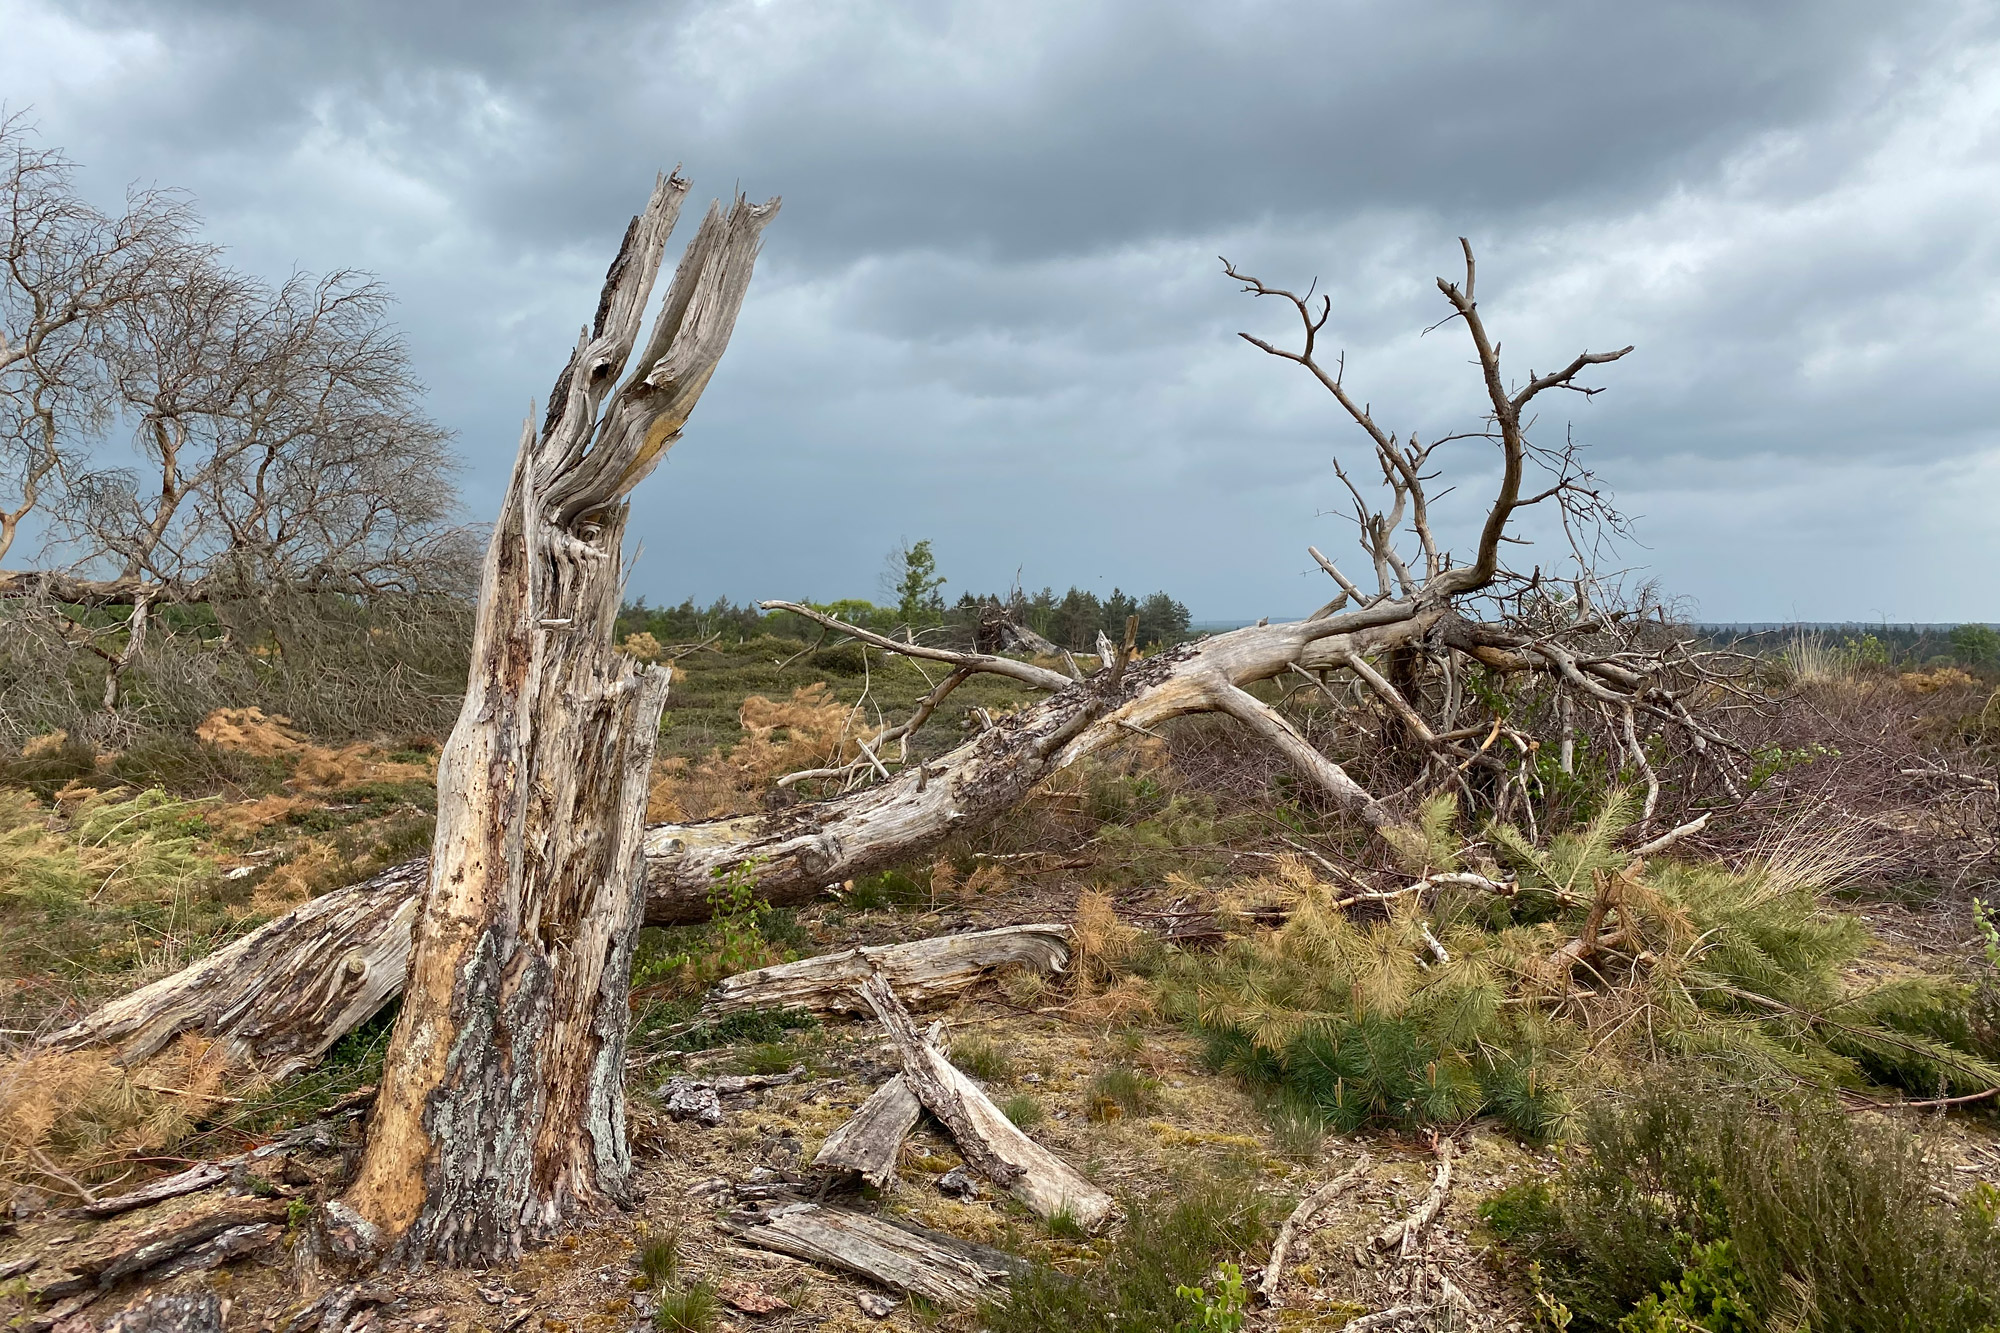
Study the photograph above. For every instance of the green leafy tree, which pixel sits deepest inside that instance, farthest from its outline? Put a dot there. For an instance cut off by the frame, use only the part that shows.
(916, 583)
(1975, 645)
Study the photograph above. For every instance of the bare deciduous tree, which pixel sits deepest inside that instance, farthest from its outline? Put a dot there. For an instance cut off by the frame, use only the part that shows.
(275, 435)
(71, 274)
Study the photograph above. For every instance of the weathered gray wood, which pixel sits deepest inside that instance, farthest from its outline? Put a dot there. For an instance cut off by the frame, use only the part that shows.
(118, 1252)
(920, 970)
(1031, 1173)
(175, 1312)
(1403, 1233)
(501, 1108)
(871, 1143)
(926, 1263)
(932, 1086)
(1281, 1248)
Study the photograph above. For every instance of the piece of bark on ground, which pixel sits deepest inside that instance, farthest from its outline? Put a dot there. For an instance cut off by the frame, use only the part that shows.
(207, 1175)
(119, 1252)
(1302, 1216)
(990, 1142)
(174, 1312)
(871, 1142)
(920, 970)
(941, 1268)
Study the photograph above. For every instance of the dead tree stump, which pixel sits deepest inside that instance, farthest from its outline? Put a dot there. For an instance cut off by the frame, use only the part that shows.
(501, 1108)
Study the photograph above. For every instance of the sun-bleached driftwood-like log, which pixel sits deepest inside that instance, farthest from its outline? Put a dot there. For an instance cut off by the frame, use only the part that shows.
(870, 1144)
(940, 1268)
(1402, 1234)
(990, 1143)
(920, 970)
(277, 999)
(501, 1109)
(1302, 1216)
(923, 1070)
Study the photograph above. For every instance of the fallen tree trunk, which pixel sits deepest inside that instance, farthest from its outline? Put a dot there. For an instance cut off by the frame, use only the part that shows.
(919, 970)
(280, 997)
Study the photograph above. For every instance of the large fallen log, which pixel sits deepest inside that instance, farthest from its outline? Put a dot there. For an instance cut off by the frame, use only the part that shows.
(920, 970)
(941, 1268)
(280, 997)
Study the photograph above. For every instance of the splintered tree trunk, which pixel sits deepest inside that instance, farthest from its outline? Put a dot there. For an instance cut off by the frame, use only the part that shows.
(501, 1107)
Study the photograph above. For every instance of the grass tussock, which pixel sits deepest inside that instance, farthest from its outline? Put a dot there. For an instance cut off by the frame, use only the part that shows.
(1465, 1002)
(1171, 1240)
(1689, 1206)
(983, 1058)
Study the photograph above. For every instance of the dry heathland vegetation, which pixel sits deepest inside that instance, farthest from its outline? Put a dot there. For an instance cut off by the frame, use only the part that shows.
(1484, 950)
(1692, 1123)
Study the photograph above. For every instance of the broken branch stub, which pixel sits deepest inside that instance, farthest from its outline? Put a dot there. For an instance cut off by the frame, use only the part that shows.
(985, 1136)
(870, 1143)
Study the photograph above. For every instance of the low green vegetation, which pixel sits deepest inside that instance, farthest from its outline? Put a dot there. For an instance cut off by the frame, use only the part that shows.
(690, 1309)
(1689, 1205)
(982, 1058)
(1120, 1090)
(1170, 1242)
(1023, 1110)
(1465, 1002)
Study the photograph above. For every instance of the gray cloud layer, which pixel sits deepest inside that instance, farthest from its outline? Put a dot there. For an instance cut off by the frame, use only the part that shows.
(990, 313)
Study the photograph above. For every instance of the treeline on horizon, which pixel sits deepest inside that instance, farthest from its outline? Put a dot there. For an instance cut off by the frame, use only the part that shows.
(1972, 645)
(1071, 620)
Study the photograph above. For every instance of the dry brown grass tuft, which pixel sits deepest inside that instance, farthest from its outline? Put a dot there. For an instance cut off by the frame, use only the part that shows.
(1103, 943)
(314, 767)
(1933, 682)
(810, 729)
(75, 1115)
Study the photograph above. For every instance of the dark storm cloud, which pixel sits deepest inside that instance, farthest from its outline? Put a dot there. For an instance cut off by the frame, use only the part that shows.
(991, 312)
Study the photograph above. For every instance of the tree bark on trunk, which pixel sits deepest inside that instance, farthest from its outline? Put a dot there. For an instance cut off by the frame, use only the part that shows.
(501, 1109)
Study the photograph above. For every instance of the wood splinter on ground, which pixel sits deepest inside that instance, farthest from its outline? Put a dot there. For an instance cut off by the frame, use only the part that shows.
(990, 1143)
(1274, 1271)
(920, 970)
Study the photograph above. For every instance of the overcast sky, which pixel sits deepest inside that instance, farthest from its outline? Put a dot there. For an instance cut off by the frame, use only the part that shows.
(991, 311)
